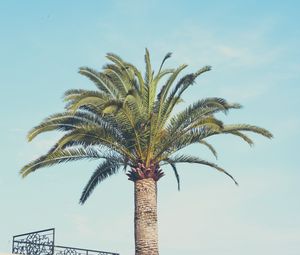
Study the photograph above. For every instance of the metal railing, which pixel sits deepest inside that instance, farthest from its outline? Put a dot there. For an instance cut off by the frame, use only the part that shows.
(42, 243)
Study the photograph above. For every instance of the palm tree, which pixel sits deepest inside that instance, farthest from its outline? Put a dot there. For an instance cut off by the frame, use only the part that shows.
(128, 125)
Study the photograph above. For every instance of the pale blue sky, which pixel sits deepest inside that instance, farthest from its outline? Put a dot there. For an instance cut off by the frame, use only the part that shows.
(253, 48)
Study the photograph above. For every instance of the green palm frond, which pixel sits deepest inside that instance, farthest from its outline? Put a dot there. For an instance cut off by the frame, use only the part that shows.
(200, 109)
(161, 103)
(67, 121)
(168, 55)
(173, 166)
(118, 61)
(112, 106)
(247, 127)
(148, 74)
(176, 140)
(139, 77)
(60, 121)
(118, 77)
(103, 171)
(186, 81)
(94, 135)
(100, 80)
(241, 135)
(210, 147)
(181, 86)
(124, 69)
(60, 156)
(208, 121)
(86, 98)
(73, 93)
(196, 160)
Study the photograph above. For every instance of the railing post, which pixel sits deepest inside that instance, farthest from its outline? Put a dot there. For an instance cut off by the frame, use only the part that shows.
(53, 243)
(12, 246)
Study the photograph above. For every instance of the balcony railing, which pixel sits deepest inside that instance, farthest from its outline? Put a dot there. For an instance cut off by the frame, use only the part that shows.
(42, 243)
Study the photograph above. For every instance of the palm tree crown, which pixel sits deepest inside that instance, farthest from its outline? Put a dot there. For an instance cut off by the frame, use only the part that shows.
(127, 122)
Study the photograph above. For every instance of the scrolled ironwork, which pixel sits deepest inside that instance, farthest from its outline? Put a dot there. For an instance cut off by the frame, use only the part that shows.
(62, 250)
(66, 251)
(42, 243)
(34, 243)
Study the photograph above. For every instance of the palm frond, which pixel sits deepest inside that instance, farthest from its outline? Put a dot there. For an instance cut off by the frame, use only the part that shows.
(201, 109)
(149, 74)
(162, 95)
(88, 98)
(72, 93)
(60, 156)
(180, 87)
(174, 142)
(103, 171)
(119, 78)
(139, 77)
(94, 135)
(100, 80)
(173, 166)
(112, 106)
(122, 65)
(67, 121)
(247, 127)
(196, 160)
(241, 135)
(168, 55)
(210, 147)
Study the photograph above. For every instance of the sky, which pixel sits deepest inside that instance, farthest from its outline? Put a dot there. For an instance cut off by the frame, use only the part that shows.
(253, 48)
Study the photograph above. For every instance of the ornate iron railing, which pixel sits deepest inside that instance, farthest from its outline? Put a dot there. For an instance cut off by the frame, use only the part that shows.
(42, 243)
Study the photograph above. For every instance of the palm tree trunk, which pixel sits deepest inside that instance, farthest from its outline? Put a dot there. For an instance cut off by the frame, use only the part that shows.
(145, 217)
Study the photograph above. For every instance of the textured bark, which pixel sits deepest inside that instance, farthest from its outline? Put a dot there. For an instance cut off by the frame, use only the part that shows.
(145, 217)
